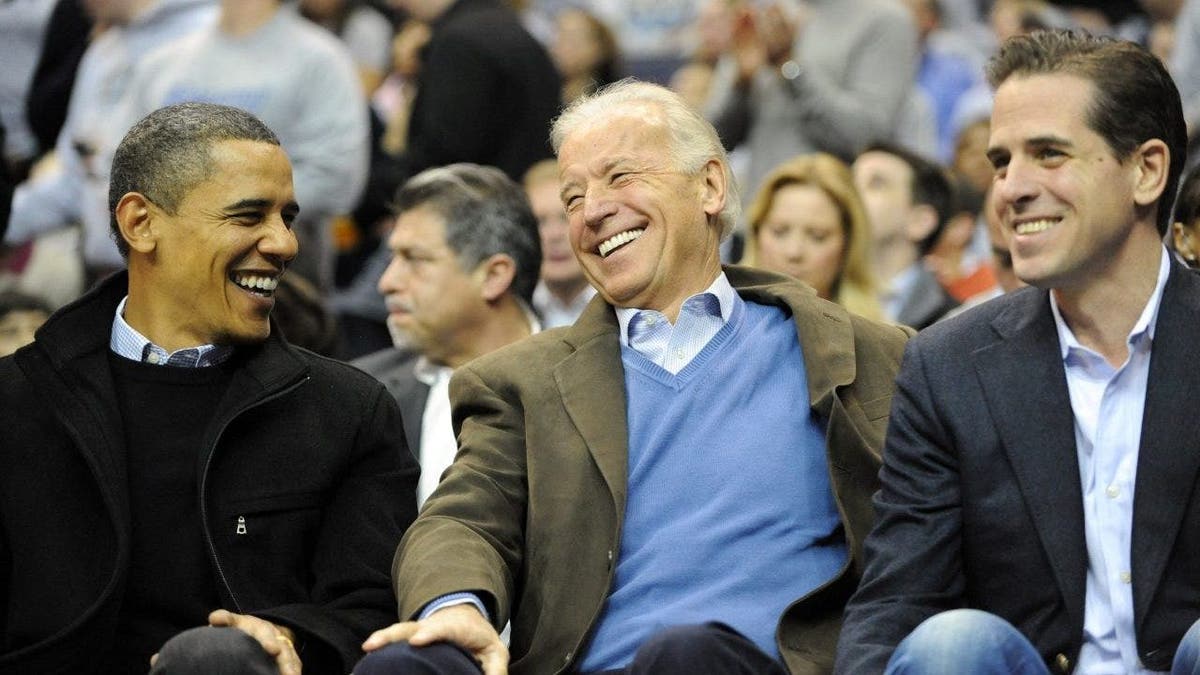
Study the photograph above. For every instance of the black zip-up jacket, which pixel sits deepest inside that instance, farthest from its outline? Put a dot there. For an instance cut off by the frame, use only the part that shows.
(305, 453)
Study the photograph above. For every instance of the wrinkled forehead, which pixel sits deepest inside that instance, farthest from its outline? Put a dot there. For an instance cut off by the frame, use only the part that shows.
(639, 131)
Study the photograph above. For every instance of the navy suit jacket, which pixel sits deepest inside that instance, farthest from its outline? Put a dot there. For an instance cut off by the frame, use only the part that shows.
(981, 504)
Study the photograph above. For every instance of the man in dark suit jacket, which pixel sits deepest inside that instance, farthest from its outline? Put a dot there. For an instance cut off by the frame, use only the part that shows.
(465, 261)
(612, 474)
(1040, 506)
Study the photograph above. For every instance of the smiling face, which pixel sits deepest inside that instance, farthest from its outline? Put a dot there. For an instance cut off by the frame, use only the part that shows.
(644, 232)
(207, 273)
(802, 236)
(1067, 203)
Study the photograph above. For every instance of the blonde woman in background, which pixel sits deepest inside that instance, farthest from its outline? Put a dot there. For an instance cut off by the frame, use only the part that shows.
(807, 221)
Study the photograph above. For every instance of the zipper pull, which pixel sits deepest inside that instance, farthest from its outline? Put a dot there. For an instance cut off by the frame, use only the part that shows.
(241, 526)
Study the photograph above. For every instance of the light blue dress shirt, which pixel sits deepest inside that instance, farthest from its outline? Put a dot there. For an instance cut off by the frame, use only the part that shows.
(126, 342)
(1107, 404)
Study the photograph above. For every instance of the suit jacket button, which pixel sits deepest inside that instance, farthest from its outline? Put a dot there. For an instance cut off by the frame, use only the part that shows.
(1064, 664)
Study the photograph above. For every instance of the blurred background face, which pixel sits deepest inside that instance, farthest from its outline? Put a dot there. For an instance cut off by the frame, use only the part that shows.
(885, 183)
(576, 49)
(802, 236)
(17, 328)
(559, 266)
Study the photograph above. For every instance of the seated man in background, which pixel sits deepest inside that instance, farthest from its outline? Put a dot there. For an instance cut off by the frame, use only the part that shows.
(676, 483)
(170, 461)
(909, 200)
(464, 263)
(562, 291)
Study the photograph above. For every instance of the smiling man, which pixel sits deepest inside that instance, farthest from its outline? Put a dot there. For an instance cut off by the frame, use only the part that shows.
(1040, 508)
(676, 483)
(175, 478)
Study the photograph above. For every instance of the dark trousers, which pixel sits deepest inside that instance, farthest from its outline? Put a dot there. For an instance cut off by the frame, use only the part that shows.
(210, 650)
(706, 649)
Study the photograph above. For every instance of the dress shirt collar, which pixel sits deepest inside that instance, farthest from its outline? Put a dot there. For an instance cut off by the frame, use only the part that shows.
(1145, 323)
(720, 289)
(126, 342)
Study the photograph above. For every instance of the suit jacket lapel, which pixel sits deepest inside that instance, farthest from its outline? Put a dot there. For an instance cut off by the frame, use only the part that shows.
(591, 382)
(1168, 462)
(826, 337)
(1026, 390)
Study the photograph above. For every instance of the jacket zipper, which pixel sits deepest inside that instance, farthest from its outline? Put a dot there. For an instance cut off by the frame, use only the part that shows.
(208, 536)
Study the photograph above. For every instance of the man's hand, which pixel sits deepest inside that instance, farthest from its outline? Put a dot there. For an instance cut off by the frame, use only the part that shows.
(275, 640)
(461, 625)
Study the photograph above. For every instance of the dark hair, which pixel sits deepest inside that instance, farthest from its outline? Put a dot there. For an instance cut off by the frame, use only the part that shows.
(1135, 99)
(1187, 204)
(930, 186)
(486, 213)
(168, 152)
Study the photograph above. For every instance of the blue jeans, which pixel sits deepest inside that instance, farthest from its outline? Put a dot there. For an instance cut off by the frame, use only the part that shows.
(973, 641)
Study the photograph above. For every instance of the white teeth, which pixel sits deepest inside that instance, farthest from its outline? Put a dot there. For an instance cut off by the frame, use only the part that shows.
(254, 282)
(617, 240)
(1035, 226)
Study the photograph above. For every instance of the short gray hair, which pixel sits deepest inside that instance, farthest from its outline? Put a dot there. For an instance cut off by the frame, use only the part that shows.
(694, 141)
(168, 152)
(485, 213)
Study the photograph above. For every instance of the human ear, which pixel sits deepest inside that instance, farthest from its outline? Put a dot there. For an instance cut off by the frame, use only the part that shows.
(715, 189)
(497, 274)
(135, 222)
(1152, 163)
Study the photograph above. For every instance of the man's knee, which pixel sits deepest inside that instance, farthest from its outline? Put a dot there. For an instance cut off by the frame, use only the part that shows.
(1187, 657)
(440, 658)
(709, 647)
(965, 640)
(218, 650)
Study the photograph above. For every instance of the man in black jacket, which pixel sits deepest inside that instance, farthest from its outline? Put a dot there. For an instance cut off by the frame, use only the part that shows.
(168, 461)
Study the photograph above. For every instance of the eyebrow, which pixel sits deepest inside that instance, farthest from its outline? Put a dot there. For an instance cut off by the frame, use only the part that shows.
(568, 183)
(1037, 142)
(291, 208)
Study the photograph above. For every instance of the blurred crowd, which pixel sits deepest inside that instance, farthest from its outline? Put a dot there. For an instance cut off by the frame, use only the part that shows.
(857, 129)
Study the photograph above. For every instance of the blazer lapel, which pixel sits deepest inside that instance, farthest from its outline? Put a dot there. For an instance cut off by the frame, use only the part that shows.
(591, 382)
(826, 337)
(1168, 462)
(1025, 386)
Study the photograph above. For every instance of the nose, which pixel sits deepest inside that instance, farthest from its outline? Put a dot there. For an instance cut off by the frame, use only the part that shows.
(392, 278)
(597, 207)
(1015, 186)
(280, 241)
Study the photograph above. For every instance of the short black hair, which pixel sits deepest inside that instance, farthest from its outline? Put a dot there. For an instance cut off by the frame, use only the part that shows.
(168, 152)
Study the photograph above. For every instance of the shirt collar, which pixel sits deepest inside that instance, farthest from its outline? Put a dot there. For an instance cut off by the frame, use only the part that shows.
(720, 289)
(125, 341)
(1145, 323)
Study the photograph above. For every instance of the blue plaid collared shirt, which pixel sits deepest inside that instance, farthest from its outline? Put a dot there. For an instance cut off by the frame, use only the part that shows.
(126, 342)
(673, 347)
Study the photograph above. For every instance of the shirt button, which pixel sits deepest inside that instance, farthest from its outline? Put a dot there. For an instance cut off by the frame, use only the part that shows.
(1064, 664)
(651, 320)
(679, 353)
(153, 358)
(1113, 491)
(1126, 577)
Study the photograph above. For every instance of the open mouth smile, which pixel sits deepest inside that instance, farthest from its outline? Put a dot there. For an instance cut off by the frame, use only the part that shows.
(259, 284)
(618, 240)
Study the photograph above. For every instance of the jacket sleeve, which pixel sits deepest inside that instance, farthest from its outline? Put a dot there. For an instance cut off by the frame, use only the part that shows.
(470, 535)
(913, 554)
(369, 511)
